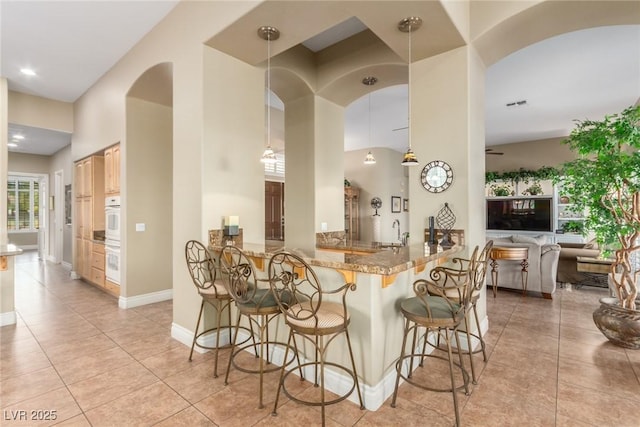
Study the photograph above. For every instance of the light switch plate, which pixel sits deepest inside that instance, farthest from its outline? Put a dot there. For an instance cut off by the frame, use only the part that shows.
(140, 226)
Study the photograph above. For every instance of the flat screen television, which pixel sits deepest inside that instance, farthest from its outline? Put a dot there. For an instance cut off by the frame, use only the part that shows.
(520, 214)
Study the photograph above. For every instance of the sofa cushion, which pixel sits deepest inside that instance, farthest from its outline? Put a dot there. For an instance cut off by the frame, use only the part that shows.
(537, 240)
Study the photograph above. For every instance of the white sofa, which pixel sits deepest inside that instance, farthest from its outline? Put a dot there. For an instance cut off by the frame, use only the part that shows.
(543, 265)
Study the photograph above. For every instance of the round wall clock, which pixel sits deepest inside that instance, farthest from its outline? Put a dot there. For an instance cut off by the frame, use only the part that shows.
(436, 176)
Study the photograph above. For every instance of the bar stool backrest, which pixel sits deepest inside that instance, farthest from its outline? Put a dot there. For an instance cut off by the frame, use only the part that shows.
(480, 272)
(452, 284)
(291, 278)
(238, 275)
(201, 266)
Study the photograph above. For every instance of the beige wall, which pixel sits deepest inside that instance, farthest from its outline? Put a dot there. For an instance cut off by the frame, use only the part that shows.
(148, 253)
(40, 112)
(234, 139)
(28, 163)
(329, 165)
(529, 155)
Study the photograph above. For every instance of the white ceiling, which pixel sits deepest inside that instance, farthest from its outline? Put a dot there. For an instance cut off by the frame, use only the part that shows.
(584, 74)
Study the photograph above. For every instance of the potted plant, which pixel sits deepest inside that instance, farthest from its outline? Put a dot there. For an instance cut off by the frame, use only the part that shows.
(533, 190)
(500, 190)
(573, 227)
(604, 182)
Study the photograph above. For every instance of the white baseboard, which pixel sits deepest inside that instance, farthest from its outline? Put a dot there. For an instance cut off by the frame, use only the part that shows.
(185, 336)
(8, 318)
(74, 276)
(150, 298)
(66, 265)
(374, 396)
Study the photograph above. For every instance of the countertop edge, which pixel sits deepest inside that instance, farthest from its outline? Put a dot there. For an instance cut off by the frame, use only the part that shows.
(371, 263)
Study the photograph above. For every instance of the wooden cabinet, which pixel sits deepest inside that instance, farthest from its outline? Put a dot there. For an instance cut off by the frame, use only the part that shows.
(97, 264)
(351, 213)
(89, 260)
(78, 178)
(112, 170)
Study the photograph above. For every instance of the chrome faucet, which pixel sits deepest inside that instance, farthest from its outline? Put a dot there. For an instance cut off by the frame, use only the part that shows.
(397, 221)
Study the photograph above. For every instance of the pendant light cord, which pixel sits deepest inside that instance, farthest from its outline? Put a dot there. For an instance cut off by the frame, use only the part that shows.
(269, 92)
(409, 89)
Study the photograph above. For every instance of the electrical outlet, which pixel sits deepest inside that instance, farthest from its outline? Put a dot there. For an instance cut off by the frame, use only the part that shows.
(323, 226)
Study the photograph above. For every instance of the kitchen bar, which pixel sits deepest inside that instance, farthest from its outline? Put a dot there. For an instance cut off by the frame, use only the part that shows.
(383, 277)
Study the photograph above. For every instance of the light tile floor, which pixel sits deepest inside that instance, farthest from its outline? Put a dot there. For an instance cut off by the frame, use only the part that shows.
(73, 351)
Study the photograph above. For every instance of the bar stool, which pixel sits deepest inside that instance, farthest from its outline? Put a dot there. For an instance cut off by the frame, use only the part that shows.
(439, 307)
(257, 304)
(474, 269)
(202, 269)
(478, 276)
(316, 315)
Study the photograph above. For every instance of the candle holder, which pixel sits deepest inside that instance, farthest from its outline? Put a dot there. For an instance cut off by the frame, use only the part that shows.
(231, 226)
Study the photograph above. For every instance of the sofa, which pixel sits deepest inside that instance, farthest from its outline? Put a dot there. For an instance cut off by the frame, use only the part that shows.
(568, 262)
(543, 265)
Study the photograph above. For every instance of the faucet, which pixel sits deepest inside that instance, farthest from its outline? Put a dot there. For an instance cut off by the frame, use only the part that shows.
(396, 221)
(405, 238)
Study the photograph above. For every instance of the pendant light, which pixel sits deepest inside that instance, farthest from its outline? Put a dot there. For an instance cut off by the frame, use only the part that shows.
(268, 33)
(369, 81)
(407, 25)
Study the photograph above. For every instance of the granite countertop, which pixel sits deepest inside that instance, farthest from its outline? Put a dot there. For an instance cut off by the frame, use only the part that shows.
(10, 249)
(365, 257)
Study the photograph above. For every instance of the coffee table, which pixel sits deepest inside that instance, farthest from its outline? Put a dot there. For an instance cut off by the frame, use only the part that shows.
(509, 254)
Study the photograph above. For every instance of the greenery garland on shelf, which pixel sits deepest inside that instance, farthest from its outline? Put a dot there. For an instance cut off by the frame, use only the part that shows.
(523, 175)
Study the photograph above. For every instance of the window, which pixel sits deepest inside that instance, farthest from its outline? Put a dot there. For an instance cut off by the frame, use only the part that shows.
(275, 169)
(23, 203)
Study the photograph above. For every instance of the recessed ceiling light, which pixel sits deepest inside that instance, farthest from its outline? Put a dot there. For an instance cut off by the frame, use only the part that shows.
(12, 145)
(18, 136)
(27, 72)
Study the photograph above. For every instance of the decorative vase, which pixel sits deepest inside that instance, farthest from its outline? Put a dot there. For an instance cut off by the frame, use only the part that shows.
(620, 325)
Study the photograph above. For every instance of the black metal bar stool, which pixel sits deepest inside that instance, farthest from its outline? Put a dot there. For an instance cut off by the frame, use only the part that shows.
(439, 308)
(316, 315)
(203, 271)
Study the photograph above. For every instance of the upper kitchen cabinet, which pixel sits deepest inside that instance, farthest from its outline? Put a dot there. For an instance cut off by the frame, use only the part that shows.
(112, 170)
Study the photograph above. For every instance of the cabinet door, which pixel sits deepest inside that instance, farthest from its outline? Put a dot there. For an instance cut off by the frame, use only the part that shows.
(87, 177)
(87, 217)
(87, 249)
(79, 179)
(108, 170)
(116, 168)
(77, 261)
(78, 219)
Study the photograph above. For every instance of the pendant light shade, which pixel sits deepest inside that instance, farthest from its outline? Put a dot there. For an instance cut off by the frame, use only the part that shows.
(369, 159)
(369, 81)
(268, 33)
(408, 25)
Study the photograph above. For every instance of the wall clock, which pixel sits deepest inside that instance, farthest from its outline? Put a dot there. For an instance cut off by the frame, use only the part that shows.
(436, 176)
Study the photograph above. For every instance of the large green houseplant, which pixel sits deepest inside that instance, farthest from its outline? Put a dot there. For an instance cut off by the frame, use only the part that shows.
(604, 181)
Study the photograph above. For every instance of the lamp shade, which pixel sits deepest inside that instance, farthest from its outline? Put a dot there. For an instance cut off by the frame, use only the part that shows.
(369, 159)
(409, 158)
(268, 156)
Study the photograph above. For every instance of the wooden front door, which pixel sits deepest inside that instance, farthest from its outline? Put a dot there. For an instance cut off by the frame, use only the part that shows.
(274, 210)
